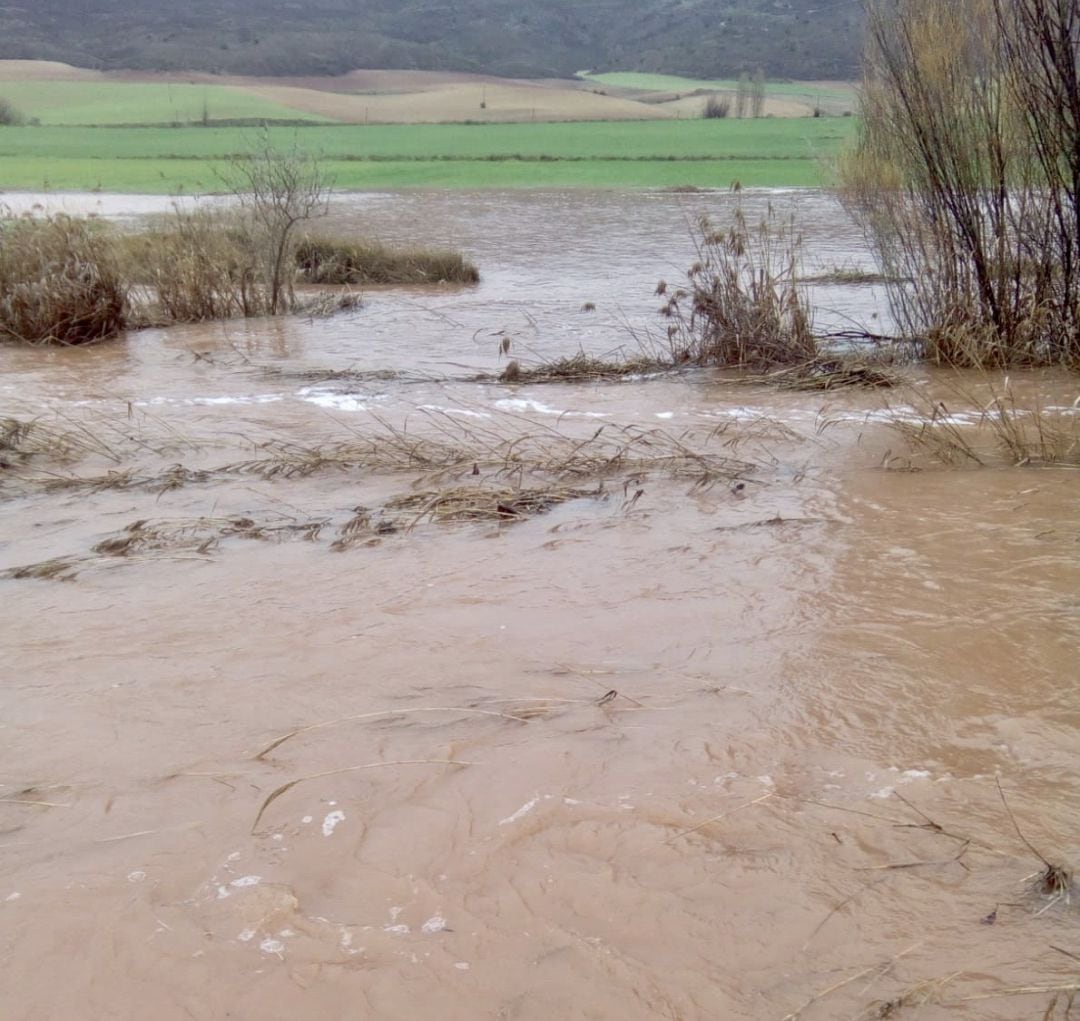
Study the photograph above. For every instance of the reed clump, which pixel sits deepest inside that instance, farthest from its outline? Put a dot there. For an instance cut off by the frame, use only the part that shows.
(196, 266)
(60, 282)
(324, 260)
(742, 305)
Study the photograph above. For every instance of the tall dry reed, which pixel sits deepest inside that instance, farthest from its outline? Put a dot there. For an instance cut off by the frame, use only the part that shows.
(60, 282)
(741, 306)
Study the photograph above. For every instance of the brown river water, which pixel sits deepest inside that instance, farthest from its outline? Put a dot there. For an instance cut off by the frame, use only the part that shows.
(690, 748)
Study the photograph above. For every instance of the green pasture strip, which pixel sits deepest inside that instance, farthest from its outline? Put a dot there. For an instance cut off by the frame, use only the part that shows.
(774, 138)
(85, 103)
(190, 176)
(675, 83)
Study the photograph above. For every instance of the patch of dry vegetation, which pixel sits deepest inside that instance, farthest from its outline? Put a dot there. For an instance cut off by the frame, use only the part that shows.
(60, 282)
(584, 368)
(502, 450)
(742, 305)
(195, 266)
(323, 260)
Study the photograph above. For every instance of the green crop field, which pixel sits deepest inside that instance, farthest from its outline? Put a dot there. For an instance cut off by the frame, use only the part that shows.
(765, 152)
(82, 103)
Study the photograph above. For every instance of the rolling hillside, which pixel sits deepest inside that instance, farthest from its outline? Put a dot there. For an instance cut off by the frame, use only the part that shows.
(698, 38)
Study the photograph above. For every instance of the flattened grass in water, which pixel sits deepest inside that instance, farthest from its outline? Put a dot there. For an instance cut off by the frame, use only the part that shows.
(976, 431)
(503, 450)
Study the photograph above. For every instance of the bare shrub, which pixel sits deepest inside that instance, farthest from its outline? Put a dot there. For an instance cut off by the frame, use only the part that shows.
(59, 282)
(717, 108)
(757, 94)
(742, 306)
(279, 190)
(966, 175)
(10, 115)
(742, 95)
(324, 260)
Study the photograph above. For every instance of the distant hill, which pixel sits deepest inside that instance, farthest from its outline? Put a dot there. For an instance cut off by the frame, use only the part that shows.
(518, 38)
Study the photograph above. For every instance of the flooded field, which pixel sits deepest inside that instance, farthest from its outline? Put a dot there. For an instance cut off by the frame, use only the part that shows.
(339, 683)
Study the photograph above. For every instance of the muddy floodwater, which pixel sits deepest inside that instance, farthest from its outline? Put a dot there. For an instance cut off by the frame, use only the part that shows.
(717, 734)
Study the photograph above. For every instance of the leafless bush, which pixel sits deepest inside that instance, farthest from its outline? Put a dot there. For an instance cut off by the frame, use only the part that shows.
(966, 174)
(717, 108)
(279, 190)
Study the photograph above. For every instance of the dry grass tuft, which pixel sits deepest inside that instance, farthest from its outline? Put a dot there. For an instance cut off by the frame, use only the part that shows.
(584, 368)
(162, 482)
(833, 374)
(323, 260)
(328, 303)
(59, 282)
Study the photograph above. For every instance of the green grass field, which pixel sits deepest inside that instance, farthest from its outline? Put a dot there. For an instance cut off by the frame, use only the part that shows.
(83, 103)
(766, 152)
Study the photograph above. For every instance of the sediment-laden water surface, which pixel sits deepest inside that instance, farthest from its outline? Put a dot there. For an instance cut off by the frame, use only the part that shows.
(338, 683)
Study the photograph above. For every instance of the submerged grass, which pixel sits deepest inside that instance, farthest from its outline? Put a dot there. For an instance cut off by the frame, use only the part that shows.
(199, 534)
(503, 450)
(977, 430)
(487, 503)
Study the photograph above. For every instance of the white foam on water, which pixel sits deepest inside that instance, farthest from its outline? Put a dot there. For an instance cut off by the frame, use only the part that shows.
(436, 923)
(397, 930)
(198, 402)
(272, 946)
(331, 822)
(136, 877)
(246, 881)
(246, 936)
(522, 404)
(337, 402)
(463, 412)
(523, 811)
